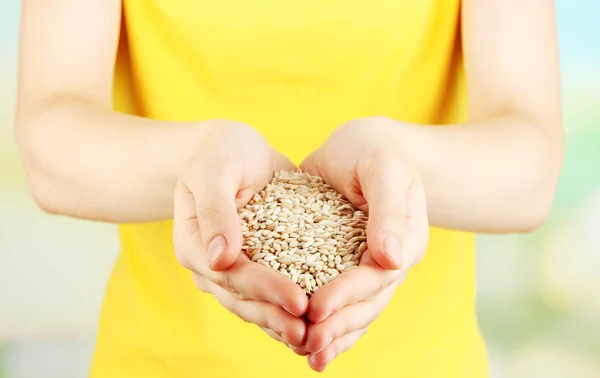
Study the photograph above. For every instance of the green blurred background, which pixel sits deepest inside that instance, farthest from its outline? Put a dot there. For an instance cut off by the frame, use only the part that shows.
(538, 294)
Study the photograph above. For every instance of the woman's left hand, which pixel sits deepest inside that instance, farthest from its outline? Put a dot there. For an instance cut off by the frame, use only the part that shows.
(361, 161)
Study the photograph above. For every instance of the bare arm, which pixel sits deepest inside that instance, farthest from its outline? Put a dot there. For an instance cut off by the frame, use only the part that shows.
(497, 172)
(82, 159)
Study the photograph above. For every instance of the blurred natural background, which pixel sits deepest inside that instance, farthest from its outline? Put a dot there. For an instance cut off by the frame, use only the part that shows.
(539, 294)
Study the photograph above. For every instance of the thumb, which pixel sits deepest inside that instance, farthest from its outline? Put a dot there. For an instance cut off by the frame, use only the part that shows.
(218, 222)
(385, 190)
(311, 164)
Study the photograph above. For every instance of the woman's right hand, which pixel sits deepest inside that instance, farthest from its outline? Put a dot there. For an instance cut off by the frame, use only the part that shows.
(233, 162)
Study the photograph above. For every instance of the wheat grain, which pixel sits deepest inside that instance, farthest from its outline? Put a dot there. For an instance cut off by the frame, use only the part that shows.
(302, 228)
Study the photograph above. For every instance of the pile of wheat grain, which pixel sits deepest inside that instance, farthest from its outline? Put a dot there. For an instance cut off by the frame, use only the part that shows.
(304, 229)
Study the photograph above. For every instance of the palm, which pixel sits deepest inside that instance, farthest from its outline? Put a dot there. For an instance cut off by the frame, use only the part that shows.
(358, 161)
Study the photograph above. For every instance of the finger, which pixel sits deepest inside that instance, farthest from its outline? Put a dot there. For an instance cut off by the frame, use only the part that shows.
(348, 320)
(265, 315)
(311, 164)
(218, 220)
(274, 335)
(416, 229)
(186, 234)
(202, 283)
(217, 201)
(299, 350)
(281, 162)
(359, 284)
(246, 279)
(206, 228)
(320, 361)
(369, 278)
(384, 183)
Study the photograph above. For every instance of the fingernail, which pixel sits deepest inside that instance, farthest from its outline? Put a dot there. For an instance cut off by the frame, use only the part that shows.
(325, 316)
(216, 247)
(325, 345)
(312, 361)
(392, 247)
(295, 313)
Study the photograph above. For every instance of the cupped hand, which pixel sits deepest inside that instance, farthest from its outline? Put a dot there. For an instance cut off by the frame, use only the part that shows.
(361, 161)
(232, 163)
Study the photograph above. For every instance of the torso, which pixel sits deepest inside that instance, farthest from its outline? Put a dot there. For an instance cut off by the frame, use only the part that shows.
(294, 70)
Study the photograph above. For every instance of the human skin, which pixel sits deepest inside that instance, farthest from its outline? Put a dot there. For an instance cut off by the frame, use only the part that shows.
(495, 173)
(505, 161)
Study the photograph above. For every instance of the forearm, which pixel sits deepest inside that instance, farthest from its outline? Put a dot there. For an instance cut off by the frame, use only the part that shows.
(494, 176)
(86, 161)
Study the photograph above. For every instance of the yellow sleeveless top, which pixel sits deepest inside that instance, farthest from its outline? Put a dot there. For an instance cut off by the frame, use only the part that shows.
(294, 70)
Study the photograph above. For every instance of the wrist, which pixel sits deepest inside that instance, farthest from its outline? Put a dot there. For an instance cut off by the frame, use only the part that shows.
(173, 147)
(190, 140)
(420, 146)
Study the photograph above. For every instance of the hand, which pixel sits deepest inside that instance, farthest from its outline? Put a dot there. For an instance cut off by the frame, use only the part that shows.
(361, 161)
(232, 163)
